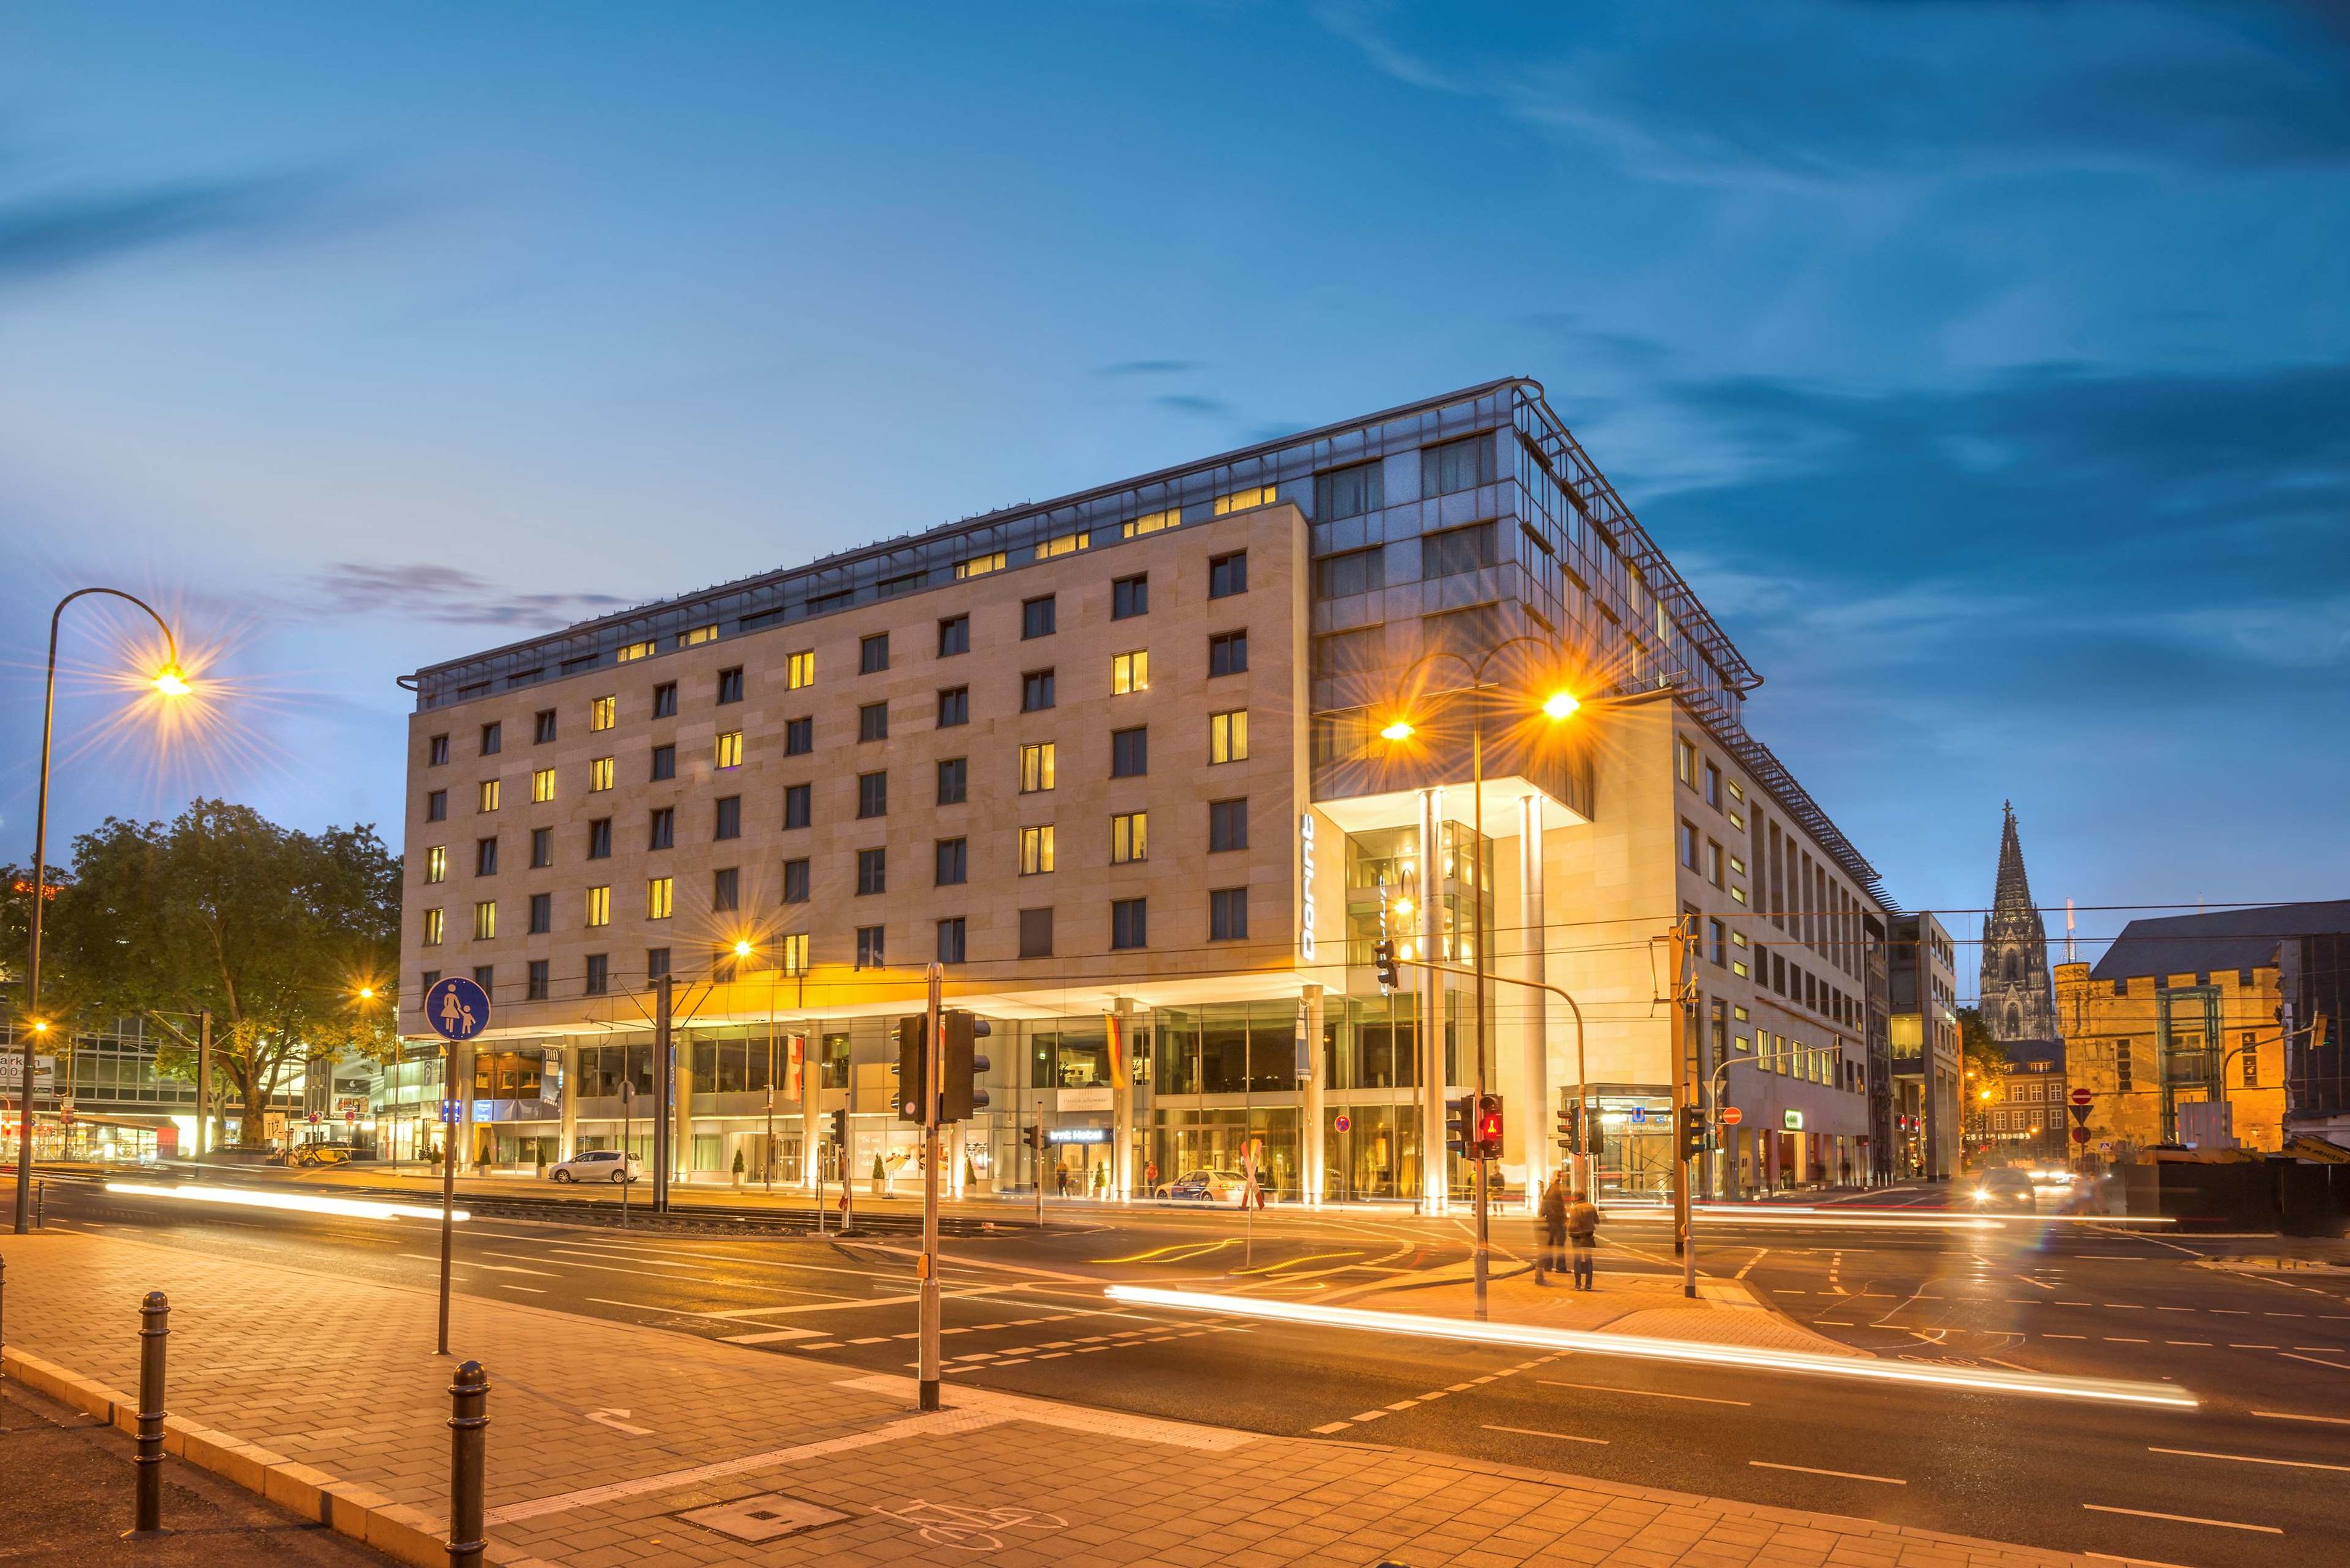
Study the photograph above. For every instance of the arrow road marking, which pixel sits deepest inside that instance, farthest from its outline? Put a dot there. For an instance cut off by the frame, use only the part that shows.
(617, 1421)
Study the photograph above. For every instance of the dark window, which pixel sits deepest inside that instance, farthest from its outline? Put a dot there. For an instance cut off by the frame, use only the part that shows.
(436, 805)
(1348, 492)
(726, 889)
(1227, 824)
(541, 727)
(1129, 596)
(1035, 934)
(1036, 691)
(663, 832)
(729, 817)
(1470, 631)
(1129, 923)
(1130, 753)
(656, 962)
(872, 871)
(542, 848)
(873, 794)
(1356, 572)
(542, 913)
(493, 739)
(1228, 653)
(953, 862)
(954, 707)
(873, 653)
(429, 979)
(1713, 787)
(1228, 575)
(536, 982)
(1457, 550)
(799, 736)
(664, 762)
(665, 700)
(873, 722)
(869, 950)
(954, 636)
(437, 750)
(954, 780)
(730, 685)
(1461, 464)
(796, 881)
(796, 805)
(1227, 914)
(599, 973)
(485, 976)
(951, 946)
(485, 858)
(1036, 617)
(599, 839)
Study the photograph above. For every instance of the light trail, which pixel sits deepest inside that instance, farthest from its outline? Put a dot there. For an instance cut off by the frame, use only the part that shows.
(1966, 1379)
(246, 1198)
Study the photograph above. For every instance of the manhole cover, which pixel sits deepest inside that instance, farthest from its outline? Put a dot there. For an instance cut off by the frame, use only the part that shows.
(763, 1517)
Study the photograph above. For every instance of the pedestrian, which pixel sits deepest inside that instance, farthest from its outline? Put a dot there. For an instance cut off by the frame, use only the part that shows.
(1583, 1234)
(1552, 1254)
(1061, 1180)
(1150, 1177)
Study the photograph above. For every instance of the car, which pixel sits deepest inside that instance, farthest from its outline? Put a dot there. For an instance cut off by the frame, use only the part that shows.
(2006, 1188)
(597, 1165)
(1204, 1187)
(324, 1152)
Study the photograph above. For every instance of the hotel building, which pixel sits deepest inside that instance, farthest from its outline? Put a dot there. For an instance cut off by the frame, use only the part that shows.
(1125, 765)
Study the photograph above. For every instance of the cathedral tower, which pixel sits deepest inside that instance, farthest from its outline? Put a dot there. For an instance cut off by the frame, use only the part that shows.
(2018, 1003)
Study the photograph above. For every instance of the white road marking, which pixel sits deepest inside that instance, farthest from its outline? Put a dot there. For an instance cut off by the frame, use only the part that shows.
(2292, 1416)
(2250, 1459)
(2314, 1361)
(505, 1285)
(1816, 1470)
(2183, 1519)
(618, 1421)
(1531, 1432)
(1332, 1427)
(1643, 1393)
(771, 1336)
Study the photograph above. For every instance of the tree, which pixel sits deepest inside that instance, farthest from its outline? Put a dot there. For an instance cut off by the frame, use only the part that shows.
(271, 930)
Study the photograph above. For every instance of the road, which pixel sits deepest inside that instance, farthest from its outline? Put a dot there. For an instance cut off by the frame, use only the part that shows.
(2253, 1475)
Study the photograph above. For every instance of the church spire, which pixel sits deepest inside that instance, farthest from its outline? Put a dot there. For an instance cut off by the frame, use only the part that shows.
(2012, 896)
(2017, 998)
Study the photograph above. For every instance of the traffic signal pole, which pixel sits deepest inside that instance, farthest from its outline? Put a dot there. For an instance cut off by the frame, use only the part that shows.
(1482, 1167)
(1683, 1098)
(933, 1086)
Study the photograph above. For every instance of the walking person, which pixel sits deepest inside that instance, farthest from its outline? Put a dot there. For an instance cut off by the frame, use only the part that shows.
(1583, 1235)
(1551, 1254)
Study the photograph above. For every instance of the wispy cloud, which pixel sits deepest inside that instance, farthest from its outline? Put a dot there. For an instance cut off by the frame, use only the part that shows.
(1150, 367)
(1193, 403)
(448, 596)
(47, 233)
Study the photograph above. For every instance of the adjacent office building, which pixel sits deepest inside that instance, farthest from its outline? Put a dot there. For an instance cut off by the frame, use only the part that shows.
(1927, 1127)
(1149, 769)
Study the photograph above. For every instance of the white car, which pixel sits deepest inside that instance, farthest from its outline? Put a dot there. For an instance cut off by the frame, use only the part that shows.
(1205, 1187)
(598, 1165)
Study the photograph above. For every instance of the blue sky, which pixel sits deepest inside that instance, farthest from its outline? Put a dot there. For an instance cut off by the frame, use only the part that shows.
(1984, 365)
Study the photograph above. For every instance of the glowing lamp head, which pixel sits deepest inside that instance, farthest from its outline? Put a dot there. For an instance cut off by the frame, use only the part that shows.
(1403, 907)
(40, 1026)
(171, 681)
(1400, 730)
(366, 993)
(742, 948)
(1559, 704)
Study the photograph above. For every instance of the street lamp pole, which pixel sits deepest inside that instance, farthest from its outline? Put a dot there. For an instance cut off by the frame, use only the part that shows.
(172, 682)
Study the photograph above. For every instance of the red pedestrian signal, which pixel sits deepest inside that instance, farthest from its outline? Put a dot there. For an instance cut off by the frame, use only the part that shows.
(1488, 1126)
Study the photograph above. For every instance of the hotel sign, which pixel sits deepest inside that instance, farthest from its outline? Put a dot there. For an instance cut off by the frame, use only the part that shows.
(1305, 887)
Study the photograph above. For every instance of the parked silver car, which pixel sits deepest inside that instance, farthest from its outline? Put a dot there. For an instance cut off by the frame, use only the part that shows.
(598, 1165)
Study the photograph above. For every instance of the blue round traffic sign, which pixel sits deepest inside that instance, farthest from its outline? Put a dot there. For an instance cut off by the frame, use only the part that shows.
(456, 1008)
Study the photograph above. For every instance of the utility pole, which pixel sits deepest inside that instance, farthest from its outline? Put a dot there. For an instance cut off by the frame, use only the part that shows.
(1677, 946)
(1477, 923)
(448, 1174)
(204, 1083)
(933, 1085)
(664, 1081)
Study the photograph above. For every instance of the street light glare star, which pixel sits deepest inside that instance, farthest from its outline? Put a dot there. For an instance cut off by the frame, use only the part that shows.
(1399, 731)
(1559, 704)
(743, 948)
(171, 681)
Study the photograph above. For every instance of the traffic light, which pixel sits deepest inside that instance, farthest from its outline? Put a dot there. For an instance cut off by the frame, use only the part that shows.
(840, 1129)
(1689, 1131)
(1488, 1126)
(1570, 1129)
(1383, 955)
(913, 1070)
(1461, 1137)
(1035, 1137)
(959, 1095)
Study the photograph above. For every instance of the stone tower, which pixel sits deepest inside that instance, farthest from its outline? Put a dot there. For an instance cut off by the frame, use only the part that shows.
(2018, 1003)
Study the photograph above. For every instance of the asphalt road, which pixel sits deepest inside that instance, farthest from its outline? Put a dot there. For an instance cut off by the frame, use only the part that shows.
(2254, 1476)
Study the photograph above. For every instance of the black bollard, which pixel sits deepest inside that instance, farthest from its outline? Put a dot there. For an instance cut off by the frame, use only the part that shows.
(154, 1329)
(469, 1420)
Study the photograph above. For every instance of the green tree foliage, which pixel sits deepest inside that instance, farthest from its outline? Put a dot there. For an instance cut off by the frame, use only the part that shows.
(271, 930)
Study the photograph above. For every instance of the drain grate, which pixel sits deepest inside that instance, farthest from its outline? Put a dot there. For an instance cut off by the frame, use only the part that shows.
(762, 1517)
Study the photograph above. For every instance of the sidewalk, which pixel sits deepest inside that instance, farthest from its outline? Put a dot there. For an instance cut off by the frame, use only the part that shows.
(612, 1444)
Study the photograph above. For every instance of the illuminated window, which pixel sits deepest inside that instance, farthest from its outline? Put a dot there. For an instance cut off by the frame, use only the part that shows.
(599, 906)
(980, 566)
(600, 774)
(489, 795)
(433, 924)
(799, 669)
(1036, 850)
(697, 636)
(1228, 736)
(634, 651)
(436, 864)
(1152, 522)
(1066, 545)
(485, 919)
(542, 785)
(730, 749)
(1129, 673)
(601, 713)
(1242, 500)
(660, 896)
(1130, 838)
(1037, 767)
(791, 953)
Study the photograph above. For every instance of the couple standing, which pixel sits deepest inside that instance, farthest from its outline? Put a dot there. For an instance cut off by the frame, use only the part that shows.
(1568, 1221)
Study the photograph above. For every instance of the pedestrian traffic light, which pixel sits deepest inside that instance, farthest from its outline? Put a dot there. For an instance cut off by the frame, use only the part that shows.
(840, 1129)
(1034, 1137)
(1383, 955)
(913, 1069)
(1488, 1126)
(1570, 1129)
(1689, 1131)
(959, 1065)
(1461, 1137)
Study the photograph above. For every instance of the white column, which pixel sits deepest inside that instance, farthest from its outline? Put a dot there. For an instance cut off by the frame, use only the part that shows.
(568, 1142)
(1120, 1022)
(1434, 1168)
(1312, 1117)
(1535, 1122)
(682, 1132)
(811, 1120)
(461, 1062)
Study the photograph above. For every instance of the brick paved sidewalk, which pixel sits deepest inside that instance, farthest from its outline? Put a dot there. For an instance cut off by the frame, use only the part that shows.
(612, 1444)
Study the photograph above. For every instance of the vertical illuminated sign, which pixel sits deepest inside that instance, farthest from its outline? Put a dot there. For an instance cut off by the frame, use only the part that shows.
(1305, 887)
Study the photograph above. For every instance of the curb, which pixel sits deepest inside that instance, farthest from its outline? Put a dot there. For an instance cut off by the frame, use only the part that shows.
(407, 1534)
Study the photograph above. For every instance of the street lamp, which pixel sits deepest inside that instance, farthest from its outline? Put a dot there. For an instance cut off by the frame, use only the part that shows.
(168, 680)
